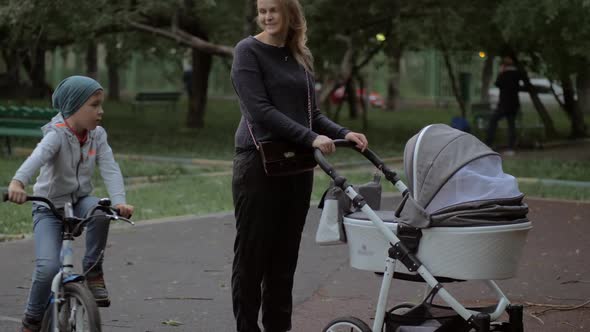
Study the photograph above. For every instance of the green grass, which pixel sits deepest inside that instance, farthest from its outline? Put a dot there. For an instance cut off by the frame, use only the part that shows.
(129, 168)
(155, 131)
(201, 194)
(548, 169)
(555, 191)
(187, 189)
(184, 195)
(160, 131)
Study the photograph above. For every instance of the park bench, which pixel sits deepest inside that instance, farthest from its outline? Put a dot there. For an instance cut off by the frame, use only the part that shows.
(23, 121)
(143, 98)
(481, 114)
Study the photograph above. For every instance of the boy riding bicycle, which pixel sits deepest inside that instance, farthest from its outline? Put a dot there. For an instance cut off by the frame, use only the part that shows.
(73, 145)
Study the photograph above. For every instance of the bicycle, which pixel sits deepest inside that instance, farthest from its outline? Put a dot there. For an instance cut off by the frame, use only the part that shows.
(72, 306)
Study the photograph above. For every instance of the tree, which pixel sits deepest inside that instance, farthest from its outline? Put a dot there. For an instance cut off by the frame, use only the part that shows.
(28, 29)
(342, 53)
(193, 24)
(554, 34)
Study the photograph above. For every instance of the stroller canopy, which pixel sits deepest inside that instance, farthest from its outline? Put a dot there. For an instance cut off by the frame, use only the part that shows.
(456, 180)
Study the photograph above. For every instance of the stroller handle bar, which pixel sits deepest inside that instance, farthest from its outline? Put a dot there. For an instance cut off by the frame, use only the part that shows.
(340, 181)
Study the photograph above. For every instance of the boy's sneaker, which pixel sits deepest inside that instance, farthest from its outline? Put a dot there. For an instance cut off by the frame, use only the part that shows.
(30, 325)
(98, 289)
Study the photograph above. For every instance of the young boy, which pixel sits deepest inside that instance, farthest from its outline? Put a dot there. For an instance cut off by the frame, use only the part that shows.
(73, 144)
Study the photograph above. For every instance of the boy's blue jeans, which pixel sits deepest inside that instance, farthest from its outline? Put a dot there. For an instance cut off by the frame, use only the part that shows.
(47, 232)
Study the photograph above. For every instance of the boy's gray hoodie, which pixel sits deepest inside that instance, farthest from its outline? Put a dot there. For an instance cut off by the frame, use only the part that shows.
(67, 168)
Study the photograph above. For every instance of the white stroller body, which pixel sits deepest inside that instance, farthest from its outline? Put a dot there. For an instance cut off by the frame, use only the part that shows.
(462, 219)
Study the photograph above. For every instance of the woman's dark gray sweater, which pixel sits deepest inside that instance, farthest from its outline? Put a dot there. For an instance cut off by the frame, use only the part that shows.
(272, 90)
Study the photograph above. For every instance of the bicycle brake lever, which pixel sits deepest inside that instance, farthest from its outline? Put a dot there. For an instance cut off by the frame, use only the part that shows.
(128, 221)
(115, 217)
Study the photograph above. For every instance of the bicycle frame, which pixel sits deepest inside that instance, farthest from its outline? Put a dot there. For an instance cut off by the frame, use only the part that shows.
(72, 227)
(66, 273)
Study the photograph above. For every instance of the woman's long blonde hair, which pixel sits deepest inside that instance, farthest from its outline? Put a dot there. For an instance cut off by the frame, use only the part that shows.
(297, 32)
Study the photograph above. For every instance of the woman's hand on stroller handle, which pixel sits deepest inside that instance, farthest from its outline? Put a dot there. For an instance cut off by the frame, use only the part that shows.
(361, 141)
(324, 144)
(327, 167)
(340, 181)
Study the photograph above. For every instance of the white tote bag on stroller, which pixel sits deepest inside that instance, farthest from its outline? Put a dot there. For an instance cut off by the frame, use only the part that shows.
(335, 205)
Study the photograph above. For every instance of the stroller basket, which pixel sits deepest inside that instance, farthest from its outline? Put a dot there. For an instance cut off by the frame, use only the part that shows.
(466, 253)
(428, 317)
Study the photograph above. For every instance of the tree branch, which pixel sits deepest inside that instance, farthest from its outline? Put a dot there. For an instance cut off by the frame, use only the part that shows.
(346, 66)
(375, 50)
(186, 38)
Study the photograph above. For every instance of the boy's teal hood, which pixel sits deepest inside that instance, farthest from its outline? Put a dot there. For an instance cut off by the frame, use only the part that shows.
(72, 93)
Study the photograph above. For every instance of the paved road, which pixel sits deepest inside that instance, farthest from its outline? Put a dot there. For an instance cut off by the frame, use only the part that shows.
(180, 271)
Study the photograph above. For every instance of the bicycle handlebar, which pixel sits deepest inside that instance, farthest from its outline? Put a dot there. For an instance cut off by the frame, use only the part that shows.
(107, 209)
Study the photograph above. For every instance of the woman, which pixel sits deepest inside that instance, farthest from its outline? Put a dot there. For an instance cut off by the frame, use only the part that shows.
(272, 75)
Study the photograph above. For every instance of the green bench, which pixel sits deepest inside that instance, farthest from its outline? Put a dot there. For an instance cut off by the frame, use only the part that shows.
(143, 98)
(481, 114)
(23, 121)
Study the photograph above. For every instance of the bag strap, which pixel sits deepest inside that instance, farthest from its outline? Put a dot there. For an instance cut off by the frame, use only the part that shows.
(308, 110)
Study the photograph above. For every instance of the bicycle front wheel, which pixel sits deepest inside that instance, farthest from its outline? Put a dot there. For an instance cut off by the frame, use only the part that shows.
(77, 312)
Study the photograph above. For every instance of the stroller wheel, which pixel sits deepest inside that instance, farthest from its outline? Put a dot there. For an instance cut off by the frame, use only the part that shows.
(347, 324)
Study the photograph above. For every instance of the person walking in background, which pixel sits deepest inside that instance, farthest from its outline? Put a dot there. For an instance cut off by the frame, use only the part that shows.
(272, 74)
(508, 82)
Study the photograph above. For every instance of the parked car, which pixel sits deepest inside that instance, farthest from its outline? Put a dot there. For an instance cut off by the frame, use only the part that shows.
(375, 99)
(543, 86)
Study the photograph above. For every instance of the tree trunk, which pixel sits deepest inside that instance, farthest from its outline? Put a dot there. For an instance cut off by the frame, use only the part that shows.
(449, 66)
(13, 63)
(543, 114)
(200, 82)
(11, 85)
(583, 88)
(486, 78)
(337, 112)
(92, 59)
(113, 72)
(351, 98)
(578, 127)
(451, 73)
(34, 63)
(363, 102)
(328, 87)
(393, 96)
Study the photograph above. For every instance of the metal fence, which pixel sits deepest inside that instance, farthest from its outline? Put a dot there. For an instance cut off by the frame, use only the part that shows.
(423, 75)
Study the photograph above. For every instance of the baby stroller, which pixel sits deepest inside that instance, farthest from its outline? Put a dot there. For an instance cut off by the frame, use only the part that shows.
(461, 219)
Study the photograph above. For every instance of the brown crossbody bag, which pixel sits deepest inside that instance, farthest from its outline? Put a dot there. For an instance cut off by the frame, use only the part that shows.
(281, 158)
